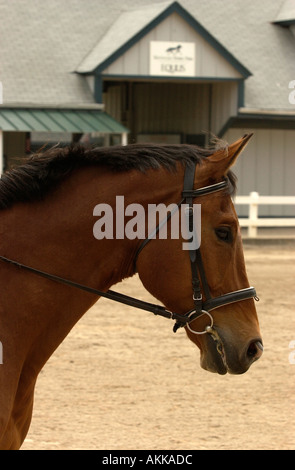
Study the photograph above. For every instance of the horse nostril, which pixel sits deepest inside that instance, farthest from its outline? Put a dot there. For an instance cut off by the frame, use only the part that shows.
(255, 350)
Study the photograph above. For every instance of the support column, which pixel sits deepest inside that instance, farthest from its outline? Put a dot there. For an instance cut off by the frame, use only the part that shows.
(124, 138)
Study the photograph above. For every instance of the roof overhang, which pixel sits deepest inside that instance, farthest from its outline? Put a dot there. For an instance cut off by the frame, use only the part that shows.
(80, 119)
(268, 112)
(260, 119)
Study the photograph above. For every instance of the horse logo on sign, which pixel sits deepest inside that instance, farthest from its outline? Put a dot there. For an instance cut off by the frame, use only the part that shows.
(174, 50)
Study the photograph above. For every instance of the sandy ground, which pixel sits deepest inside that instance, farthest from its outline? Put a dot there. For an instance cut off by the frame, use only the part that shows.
(127, 382)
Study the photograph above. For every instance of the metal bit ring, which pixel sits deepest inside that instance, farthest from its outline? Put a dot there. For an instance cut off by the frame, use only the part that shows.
(208, 328)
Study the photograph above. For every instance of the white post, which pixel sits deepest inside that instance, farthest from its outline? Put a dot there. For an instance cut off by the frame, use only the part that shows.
(1, 153)
(124, 138)
(253, 214)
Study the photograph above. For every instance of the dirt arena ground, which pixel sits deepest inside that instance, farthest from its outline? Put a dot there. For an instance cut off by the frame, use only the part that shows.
(125, 381)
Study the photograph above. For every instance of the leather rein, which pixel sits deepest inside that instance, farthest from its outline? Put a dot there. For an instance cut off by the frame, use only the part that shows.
(199, 279)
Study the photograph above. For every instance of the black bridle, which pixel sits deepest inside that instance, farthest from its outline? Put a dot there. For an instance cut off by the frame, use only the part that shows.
(199, 280)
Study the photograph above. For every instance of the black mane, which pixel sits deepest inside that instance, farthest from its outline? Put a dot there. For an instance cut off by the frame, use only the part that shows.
(43, 171)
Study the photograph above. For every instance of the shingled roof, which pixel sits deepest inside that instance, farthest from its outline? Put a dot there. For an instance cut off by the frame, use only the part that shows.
(45, 44)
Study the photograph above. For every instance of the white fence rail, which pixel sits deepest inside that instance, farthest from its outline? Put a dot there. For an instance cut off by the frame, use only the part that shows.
(253, 221)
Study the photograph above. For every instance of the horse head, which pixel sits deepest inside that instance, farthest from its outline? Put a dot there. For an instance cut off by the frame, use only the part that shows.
(234, 342)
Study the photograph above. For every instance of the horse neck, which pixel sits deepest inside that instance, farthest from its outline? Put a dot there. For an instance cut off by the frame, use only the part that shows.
(56, 236)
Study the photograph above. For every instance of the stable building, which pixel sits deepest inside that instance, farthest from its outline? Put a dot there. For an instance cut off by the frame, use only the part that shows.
(172, 72)
(165, 75)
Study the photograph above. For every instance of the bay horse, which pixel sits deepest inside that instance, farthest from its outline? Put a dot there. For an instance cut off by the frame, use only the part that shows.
(48, 252)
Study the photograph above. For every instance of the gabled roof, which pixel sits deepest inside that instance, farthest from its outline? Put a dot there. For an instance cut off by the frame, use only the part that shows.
(135, 23)
(128, 25)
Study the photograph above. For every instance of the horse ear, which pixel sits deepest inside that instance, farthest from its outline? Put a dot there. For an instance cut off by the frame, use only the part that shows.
(226, 157)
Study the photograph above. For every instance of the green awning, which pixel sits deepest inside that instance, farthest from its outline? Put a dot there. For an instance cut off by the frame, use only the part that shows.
(58, 120)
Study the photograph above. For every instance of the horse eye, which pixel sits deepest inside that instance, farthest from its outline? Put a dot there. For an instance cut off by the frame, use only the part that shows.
(224, 234)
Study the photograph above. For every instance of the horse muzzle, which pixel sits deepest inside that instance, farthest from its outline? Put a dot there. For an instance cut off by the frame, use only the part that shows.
(223, 355)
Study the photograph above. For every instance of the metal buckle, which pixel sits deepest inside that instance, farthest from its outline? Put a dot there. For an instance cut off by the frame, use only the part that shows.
(188, 211)
(199, 297)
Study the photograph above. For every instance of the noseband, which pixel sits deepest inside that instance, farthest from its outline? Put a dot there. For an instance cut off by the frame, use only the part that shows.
(199, 280)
